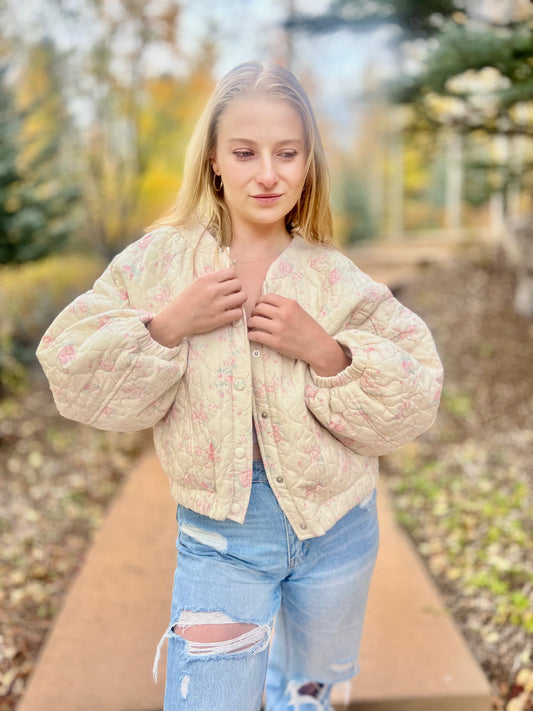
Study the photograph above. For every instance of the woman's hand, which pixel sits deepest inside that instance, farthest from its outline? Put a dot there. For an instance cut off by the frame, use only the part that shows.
(282, 324)
(211, 301)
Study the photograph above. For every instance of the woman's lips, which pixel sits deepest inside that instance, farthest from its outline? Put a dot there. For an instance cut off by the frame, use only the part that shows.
(269, 199)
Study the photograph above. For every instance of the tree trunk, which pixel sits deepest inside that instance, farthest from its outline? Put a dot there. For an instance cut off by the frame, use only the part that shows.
(454, 179)
(519, 248)
(396, 174)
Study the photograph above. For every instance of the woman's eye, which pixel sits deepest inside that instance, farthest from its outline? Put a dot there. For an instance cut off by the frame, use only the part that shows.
(288, 155)
(243, 154)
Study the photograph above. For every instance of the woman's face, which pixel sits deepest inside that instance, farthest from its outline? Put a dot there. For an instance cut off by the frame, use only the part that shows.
(260, 155)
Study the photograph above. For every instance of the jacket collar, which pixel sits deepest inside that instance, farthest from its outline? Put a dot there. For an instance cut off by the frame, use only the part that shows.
(288, 266)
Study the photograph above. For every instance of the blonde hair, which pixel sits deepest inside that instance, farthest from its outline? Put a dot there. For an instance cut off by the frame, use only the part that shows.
(199, 201)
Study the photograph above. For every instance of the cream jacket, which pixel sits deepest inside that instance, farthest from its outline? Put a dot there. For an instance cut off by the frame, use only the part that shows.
(320, 437)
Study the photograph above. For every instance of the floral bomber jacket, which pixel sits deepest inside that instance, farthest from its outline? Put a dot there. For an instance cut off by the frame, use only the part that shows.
(320, 437)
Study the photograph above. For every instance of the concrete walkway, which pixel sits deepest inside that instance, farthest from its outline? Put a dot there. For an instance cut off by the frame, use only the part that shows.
(100, 652)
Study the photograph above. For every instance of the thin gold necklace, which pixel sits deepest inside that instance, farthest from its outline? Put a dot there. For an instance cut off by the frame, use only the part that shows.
(254, 261)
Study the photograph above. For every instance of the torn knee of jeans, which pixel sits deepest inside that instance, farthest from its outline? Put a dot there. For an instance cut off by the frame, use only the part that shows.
(244, 637)
(214, 633)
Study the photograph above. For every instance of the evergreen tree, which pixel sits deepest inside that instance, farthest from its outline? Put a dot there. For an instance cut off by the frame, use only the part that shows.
(415, 19)
(473, 49)
(9, 176)
(479, 76)
(35, 208)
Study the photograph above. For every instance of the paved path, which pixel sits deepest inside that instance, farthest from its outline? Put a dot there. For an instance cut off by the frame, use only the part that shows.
(100, 652)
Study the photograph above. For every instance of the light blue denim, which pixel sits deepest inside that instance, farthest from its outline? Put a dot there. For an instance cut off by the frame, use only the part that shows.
(256, 572)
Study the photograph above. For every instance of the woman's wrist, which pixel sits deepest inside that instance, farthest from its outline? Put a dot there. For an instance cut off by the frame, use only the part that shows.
(329, 358)
(164, 331)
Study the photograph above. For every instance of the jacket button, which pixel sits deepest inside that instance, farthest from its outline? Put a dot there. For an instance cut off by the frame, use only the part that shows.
(235, 508)
(279, 479)
(264, 415)
(239, 452)
(303, 526)
(256, 353)
(239, 385)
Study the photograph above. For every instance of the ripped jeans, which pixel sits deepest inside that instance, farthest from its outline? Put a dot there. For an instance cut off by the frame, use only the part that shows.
(251, 574)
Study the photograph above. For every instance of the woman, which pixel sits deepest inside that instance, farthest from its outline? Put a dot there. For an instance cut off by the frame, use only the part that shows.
(274, 373)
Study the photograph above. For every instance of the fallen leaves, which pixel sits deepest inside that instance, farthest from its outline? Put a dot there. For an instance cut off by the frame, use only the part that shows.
(56, 480)
(464, 490)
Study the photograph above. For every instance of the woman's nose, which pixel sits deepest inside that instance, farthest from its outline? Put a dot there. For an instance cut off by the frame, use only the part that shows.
(267, 174)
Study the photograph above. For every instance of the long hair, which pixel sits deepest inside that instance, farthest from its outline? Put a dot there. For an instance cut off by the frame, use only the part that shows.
(199, 201)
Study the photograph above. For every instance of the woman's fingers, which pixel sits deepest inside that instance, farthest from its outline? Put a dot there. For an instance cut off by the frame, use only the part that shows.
(229, 316)
(264, 310)
(230, 286)
(233, 300)
(282, 324)
(273, 299)
(223, 274)
(220, 290)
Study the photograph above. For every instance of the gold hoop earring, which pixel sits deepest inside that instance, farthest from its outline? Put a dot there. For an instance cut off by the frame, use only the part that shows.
(218, 187)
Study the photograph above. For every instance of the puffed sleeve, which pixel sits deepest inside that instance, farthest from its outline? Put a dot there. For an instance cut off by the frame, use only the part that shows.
(390, 392)
(103, 366)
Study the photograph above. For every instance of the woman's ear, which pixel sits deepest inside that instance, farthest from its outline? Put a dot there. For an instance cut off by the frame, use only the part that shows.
(214, 165)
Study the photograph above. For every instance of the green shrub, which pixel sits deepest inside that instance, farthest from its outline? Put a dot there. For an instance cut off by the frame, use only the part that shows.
(32, 295)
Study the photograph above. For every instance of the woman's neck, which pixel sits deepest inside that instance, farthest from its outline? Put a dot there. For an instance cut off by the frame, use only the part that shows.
(257, 244)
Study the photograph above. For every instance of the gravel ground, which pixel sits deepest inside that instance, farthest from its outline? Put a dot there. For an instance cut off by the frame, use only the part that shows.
(464, 490)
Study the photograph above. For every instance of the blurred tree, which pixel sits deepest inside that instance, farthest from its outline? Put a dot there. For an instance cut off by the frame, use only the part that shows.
(474, 73)
(35, 207)
(168, 115)
(474, 76)
(138, 121)
(411, 23)
(9, 174)
(414, 19)
(121, 106)
(478, 77)
(359, 170)
(350, 205)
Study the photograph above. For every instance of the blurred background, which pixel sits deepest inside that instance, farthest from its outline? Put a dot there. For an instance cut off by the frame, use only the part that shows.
(426, 110)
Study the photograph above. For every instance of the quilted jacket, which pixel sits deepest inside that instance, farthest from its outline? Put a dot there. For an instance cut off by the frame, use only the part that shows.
(320, 437)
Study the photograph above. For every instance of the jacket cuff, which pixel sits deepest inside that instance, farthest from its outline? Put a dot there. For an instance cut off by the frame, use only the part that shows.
(351, 372)
(152, 347)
